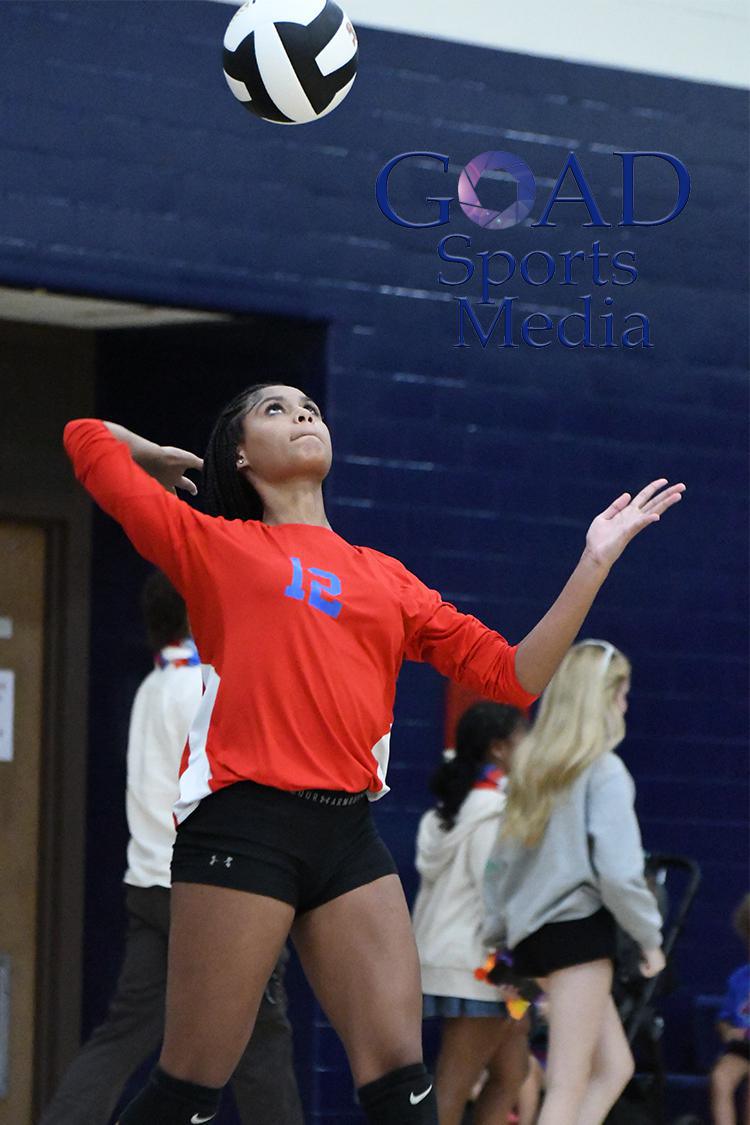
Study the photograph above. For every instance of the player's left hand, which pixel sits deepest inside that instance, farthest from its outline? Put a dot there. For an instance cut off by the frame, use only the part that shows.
(613, 529)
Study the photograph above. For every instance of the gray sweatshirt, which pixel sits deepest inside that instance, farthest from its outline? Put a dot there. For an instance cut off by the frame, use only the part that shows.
(589, 856)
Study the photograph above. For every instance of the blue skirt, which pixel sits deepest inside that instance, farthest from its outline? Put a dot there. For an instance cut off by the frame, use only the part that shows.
(448, 1007)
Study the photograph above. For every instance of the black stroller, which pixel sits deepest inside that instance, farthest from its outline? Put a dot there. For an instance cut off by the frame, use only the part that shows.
(644, 1100)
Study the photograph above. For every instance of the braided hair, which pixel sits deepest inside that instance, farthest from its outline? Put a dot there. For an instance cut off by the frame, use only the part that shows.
(225, 492)
(477, 728)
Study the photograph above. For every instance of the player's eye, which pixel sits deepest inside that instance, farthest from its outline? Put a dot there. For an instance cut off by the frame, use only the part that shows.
(273, 406)
(313, 407)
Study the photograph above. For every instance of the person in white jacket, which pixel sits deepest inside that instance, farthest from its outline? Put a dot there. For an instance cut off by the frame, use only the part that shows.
(454, 842)
(264, 1084)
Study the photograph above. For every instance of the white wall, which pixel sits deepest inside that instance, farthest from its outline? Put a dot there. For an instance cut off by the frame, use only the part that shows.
(704, 40)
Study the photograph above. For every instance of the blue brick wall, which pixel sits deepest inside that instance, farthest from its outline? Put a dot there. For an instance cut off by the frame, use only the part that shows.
(127, 170)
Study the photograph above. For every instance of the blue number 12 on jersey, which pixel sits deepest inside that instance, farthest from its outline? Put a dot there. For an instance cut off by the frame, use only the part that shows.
(319, 593)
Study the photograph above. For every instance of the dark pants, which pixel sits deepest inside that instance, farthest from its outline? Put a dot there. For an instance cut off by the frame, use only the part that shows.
(264, 1085)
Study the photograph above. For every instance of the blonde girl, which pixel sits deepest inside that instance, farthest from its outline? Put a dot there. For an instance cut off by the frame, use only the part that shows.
(568, 866)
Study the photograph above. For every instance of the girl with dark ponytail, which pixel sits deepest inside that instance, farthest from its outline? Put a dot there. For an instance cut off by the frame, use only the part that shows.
(302, 636)
(484, 735)
(454, 842)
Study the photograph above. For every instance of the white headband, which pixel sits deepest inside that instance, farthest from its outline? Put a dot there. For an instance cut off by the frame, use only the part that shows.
(609, 652)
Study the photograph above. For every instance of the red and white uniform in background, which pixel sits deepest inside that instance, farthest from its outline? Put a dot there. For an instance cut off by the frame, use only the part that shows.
(163, 709)
(302, 635)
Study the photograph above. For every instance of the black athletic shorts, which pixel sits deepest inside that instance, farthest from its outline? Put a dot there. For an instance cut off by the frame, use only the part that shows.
(303, 848)
(558, 945)
(738, 1047)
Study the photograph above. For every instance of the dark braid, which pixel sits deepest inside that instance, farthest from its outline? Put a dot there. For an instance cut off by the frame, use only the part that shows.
(225, 492)
(480, 725)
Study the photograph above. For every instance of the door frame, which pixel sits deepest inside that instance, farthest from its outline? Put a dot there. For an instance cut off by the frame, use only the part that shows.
(62, 815)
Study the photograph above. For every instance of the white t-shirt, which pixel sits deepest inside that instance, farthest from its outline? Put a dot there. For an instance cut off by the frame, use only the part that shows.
(163, 709)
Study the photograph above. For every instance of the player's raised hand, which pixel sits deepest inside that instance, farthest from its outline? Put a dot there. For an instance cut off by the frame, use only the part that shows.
(168, 465)
(164, 463)
(613, 529)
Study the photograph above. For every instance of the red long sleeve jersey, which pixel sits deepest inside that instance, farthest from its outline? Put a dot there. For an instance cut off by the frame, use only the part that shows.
(301, 635)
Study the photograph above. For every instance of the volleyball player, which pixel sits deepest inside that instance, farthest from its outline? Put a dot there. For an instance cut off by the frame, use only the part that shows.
(303, 634)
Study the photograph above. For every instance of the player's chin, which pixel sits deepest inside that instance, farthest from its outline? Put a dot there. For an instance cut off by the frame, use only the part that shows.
(310, 448)
(311, 458)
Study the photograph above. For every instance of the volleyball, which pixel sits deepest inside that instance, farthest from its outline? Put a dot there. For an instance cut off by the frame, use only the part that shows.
(290, 61)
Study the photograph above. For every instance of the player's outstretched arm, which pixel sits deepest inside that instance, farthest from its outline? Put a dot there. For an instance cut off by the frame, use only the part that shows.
(164, 463)
(541, 651)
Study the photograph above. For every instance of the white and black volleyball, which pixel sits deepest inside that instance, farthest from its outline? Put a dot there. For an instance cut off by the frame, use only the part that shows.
(290, 61)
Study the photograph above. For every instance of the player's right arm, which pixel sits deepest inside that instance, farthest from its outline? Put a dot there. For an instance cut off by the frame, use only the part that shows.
(165, 463)
(133, 480)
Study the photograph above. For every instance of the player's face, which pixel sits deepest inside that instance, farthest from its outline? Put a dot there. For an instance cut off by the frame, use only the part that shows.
(284, 437)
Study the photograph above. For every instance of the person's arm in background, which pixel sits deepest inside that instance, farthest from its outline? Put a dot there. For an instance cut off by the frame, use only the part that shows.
(618, 860)
(495, 927)
(481, 844)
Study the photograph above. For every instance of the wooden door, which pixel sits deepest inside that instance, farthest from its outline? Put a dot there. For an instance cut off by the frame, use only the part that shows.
(22, 584)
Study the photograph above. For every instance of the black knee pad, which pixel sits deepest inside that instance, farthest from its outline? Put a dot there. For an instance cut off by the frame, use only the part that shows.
(171, 1101)
(401, 1097)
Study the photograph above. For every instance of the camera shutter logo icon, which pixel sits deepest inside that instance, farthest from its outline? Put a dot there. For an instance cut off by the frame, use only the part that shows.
(488, 162)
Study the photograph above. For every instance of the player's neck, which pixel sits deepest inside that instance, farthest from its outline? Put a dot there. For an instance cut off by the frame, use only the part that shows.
(294, 503)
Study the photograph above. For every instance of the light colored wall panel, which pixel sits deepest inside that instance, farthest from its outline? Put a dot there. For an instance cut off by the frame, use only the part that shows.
(707, 41)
